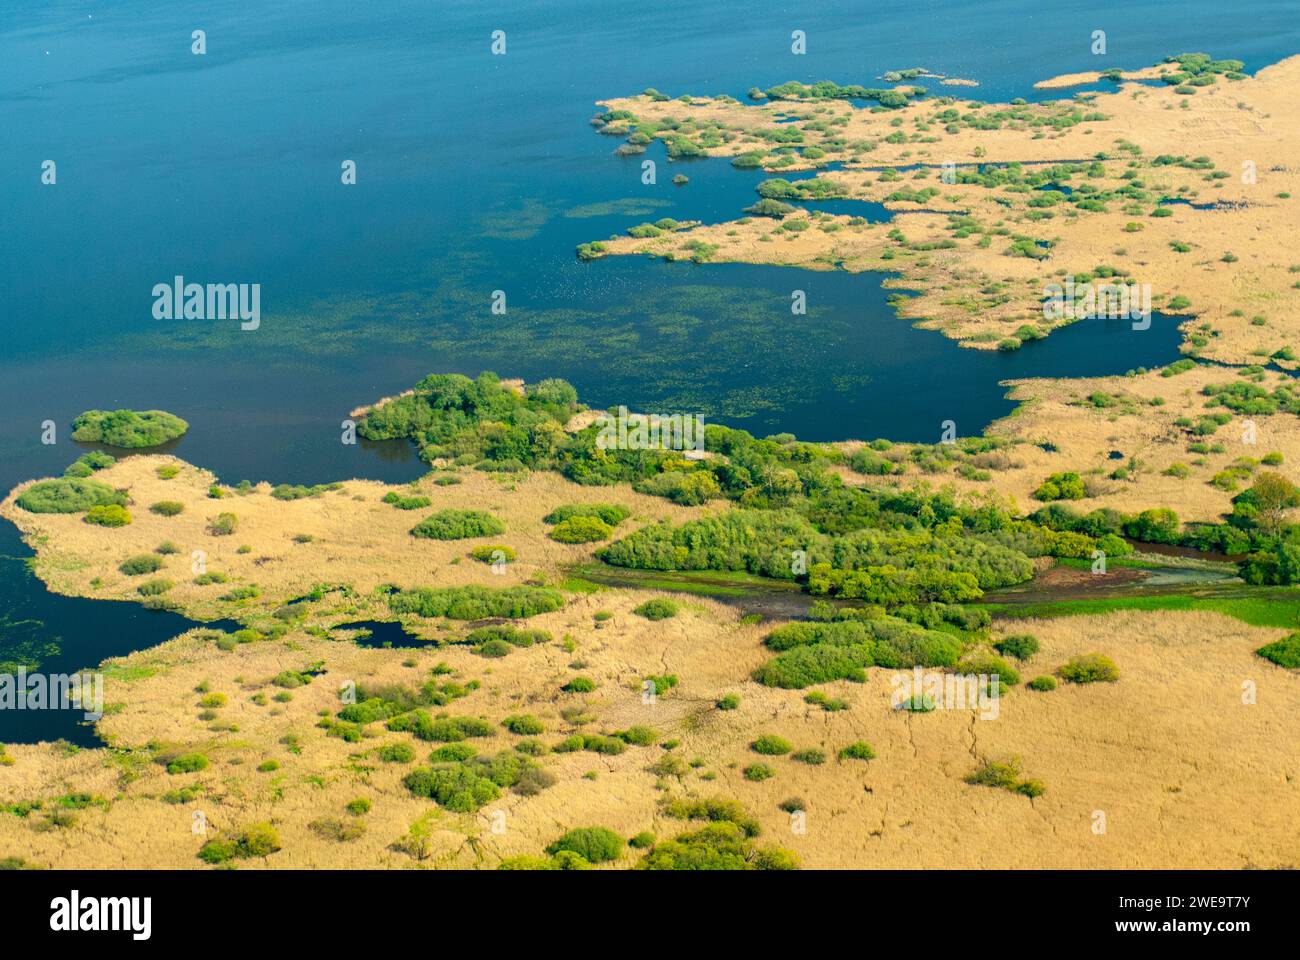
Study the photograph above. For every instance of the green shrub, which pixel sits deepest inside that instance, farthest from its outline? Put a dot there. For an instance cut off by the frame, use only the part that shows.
(829, 704)
(1042, 684)
(725, 843)
(406, 503)
(729, 702)
(296, 491)
(810, 756)
(659, 608)
(168, 471)
(593, 743)
(155, 587)
(524, 725)
(982, 663)
(638, 735)
(1284, 652)
(293, 679)
(758, 772)
(396, 753)
(495, 553)
(69, 495)
(494, 649)
(1089, 668)
(257, 840)
(223, 525)
(1030, 788)
(358, 807)
(452, 753)
(442, 729)
(108, 515)
(464, 787)
(994, 773)
(88, 463)
(167, 508)
(581, 530)
(1022, 646)
(804, 666)
(771, 745)
(476, 603)
(187, 763)
(642, 841)
(506, 633)
(610, 514)
(867, 461)
(140, 564)
(128, 428)
(593, 844)
(767, 207)
(858, 750)
(1061, 486)
(458, 525)
(663, 683)
(579, 685)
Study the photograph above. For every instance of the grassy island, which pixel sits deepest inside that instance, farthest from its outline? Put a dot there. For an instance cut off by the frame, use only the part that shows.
(129, 429)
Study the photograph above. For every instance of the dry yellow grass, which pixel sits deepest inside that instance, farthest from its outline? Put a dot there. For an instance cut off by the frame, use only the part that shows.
(1185, 773)
(356, 538)
(1064, 80)
(1140, 426)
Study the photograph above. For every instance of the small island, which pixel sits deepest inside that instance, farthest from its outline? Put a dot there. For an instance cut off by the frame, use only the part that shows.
(128, 429)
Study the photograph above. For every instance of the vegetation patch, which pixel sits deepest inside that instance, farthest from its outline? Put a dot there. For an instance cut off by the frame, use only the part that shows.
(458, 525)
(406, 502)
(140, 564)
(658, 608)
(1089, 668)
(475, 602)
(494, 553)
(1284, 652)
(108, 515)
(128, 428)
(1004, 775)
(465, 786)
(593, 844)
(69, 495)
(771, 745)
(256, 840)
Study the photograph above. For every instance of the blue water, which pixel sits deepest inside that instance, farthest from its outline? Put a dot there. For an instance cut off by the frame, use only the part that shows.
(68, 635)
(475, 173)
(385, 634)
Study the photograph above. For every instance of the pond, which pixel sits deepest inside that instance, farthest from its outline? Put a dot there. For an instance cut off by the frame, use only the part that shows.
(66, 635)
